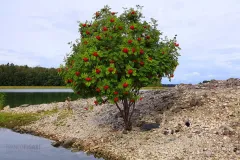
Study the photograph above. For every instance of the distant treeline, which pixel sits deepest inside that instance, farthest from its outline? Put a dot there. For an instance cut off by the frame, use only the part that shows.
(14, 75)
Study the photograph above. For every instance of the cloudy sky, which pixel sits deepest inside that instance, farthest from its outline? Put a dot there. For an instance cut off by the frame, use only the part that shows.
(36, 32)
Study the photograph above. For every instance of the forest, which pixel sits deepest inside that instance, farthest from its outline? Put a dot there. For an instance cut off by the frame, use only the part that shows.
(15, 75)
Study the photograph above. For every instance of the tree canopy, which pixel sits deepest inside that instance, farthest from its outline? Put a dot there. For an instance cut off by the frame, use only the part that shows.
(115, 56)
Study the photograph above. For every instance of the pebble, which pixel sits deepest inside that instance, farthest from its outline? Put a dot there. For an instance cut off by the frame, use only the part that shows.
(188, 140)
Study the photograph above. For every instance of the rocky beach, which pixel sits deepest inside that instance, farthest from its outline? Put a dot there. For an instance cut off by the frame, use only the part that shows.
(196, 122)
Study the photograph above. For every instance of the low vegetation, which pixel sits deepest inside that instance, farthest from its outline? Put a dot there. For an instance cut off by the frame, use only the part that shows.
(11, 120)
(61, 119)
(2, 98)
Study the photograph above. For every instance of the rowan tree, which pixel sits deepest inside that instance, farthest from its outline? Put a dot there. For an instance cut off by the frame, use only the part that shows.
(117, 55)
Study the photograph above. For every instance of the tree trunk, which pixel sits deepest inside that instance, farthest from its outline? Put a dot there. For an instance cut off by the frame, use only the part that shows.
(126, 114)
(126, 117)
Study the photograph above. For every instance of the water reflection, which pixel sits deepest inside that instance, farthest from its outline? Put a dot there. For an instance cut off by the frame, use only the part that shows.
(15, 146)
(17, 97)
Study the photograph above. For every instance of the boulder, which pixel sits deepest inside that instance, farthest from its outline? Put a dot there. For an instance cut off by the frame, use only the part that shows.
(68, 142)
(149, 126)
(56, 143)
(6, 108)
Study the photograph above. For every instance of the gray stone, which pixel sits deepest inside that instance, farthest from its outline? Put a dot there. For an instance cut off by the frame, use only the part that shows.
(226, 130)
(39, 111)
(56, 143)
(68, 142)
(140, 123)
(124, 132)
(149, 126)
(24, 105)
(208, 154)
(6, 108)
(166, 132)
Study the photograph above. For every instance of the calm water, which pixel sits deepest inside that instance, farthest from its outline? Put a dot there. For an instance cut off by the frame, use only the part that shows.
(17, 97)
(15, 146)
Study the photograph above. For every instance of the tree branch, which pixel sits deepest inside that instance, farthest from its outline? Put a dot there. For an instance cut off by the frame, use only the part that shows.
(132, 111)
(119, 109)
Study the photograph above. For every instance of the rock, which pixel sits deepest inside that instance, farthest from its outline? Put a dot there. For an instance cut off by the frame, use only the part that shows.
(171, 139)
(159, 119)
(118, 115)
(226, 130)
(16, 129)
(208, 154)
(178, 158)
(74, 150)
(24, 105)
(56, 144)
(196, 131)
(190, 136)
(179, 128)
(213, 84)
(39, 111)
(68, 142)
(149, 126)
(236, 149)
(187, 123)
(196, 101)
(6, 108)
(166, 132)
(140, 123)
(205, 95)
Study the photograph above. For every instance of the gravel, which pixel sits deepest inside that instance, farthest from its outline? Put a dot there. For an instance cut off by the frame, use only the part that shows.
(197, 122)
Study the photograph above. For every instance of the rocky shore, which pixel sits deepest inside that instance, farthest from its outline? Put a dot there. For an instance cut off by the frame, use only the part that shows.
(197, 122)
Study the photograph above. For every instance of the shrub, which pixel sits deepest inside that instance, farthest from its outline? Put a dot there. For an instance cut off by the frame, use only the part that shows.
(2, 99)
(116, 56)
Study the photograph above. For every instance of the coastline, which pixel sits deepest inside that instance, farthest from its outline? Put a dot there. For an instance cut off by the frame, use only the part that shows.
(213, 111)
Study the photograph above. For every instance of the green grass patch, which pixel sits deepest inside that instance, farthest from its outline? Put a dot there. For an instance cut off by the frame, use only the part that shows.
(2, 99)
(10, 120)
(49, 112)
(156, 87)
(61, 119)
(34, 87)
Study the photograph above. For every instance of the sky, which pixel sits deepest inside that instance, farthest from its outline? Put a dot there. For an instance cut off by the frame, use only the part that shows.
(36, 33)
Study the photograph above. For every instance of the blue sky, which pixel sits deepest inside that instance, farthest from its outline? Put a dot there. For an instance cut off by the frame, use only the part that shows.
(37, 32)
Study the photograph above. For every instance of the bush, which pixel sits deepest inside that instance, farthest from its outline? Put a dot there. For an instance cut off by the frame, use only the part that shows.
(116, 56)
(2, 99)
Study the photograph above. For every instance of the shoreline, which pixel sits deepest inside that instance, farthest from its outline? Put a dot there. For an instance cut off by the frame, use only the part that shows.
(59, 87)
(213, 111)
(77, 147)
(34, 87)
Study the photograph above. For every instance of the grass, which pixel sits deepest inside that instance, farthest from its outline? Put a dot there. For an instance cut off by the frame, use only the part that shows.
(61, 119)
(34, 87)
(157, 87)
(2, 99)
(10, 120)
